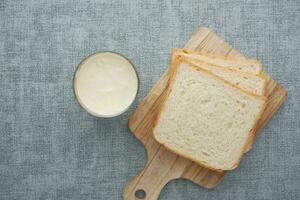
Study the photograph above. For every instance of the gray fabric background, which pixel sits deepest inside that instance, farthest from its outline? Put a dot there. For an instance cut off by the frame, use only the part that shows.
(50, 148)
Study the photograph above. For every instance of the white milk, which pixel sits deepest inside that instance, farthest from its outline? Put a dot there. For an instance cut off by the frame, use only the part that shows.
(105, 84)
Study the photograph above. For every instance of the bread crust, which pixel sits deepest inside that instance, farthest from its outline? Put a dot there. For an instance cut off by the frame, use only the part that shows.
(214, 56)
(174, 67)
(225, 81)
(262, 75)
(198, 64)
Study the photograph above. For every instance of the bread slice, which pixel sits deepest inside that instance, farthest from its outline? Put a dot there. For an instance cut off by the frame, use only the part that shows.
(246, 65)
(256, 84)
(205, 118)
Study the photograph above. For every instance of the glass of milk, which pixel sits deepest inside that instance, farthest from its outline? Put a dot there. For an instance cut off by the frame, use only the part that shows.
(105, 84)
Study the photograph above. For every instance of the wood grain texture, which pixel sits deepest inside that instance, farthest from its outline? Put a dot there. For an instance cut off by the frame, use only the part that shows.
(163, 166)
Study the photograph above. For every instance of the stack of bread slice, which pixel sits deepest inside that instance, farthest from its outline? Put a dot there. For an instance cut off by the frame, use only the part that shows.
(213, 104)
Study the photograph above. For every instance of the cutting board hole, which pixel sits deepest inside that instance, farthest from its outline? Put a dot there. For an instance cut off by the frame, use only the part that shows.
(140, 194)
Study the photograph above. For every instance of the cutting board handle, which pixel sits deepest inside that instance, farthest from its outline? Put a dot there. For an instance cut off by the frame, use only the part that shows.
(158, 171)
(138, 188)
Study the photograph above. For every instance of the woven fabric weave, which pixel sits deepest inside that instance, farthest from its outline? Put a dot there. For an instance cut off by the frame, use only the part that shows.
(50, 148)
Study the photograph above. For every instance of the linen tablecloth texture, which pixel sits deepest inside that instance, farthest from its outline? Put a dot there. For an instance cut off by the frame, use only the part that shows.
(50, 148)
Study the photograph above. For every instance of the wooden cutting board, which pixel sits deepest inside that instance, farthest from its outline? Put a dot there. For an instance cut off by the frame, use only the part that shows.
(163, 166)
